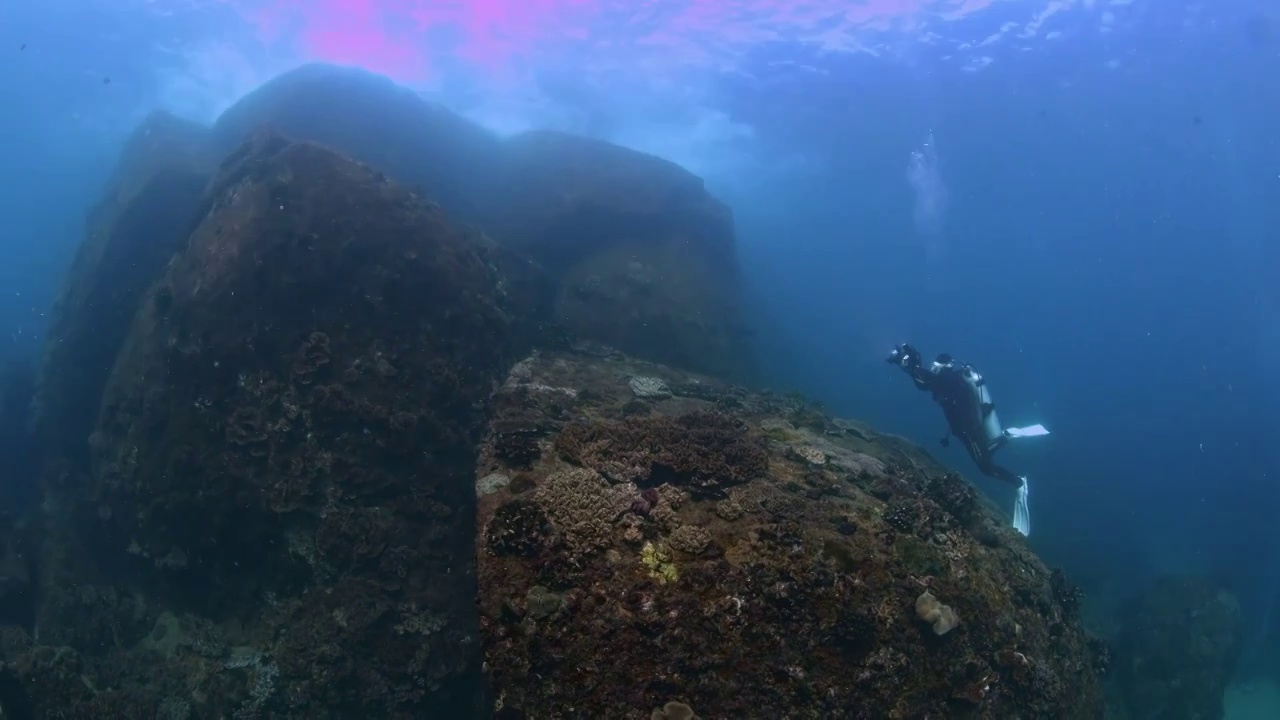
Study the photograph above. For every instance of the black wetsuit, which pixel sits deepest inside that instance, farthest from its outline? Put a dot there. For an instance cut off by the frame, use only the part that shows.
(964, 413)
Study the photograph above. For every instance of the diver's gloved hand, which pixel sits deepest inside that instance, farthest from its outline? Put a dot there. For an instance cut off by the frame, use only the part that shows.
(904, 356)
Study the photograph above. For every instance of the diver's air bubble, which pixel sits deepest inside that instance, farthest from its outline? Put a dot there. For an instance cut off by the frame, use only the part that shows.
(929, 213)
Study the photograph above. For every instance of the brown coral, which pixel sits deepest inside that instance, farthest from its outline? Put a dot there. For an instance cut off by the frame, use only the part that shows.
(582, 507)
(954, 494)
(703, 452)
(517, 529)
(677, 598)
(690, 539)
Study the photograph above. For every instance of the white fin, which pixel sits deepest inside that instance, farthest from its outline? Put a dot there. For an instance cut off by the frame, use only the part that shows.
(1030, 431)
(1022, 510)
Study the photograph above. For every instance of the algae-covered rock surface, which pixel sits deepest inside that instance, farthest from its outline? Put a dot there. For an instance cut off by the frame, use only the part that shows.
(279, 517)
(368, 117)
(300, 462)
(149, 206)
(639, 253)
(644, 256)
(745, 555)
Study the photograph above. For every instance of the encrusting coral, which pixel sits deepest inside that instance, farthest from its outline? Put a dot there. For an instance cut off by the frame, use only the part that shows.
(703, 452)
(696, 556)
(940, 616)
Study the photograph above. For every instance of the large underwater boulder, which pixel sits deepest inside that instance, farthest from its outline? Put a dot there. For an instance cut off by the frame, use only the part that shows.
(368, 117)
(652, 543)
(318, 484)
(320, 488)
(645, 257)
(642, 256)
(1177, 650)
(148, 209)
(282, 470)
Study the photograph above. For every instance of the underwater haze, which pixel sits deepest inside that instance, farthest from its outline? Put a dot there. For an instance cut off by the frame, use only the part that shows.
(1079, 197)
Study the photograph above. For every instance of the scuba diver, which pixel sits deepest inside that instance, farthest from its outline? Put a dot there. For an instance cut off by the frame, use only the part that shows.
(971, 417)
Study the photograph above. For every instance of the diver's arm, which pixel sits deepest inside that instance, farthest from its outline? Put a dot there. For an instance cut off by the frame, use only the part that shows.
(922, 378)
(908, 358)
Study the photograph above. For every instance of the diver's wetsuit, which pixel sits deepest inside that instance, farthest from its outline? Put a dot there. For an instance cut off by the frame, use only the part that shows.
(962, 408)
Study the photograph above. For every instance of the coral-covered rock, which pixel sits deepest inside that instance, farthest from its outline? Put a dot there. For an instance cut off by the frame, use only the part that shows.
(1177, 650)
(421, 144)
(699, 562)
(642, 257)
(645, 256)
(701, 451)
(149, 207)
(287, 441)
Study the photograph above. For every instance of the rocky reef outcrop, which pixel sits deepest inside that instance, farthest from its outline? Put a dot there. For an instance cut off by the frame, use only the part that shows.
(635, 252)
(428, 148)
(1177, 650)
(648, 537)
(281, 492)
(645, 257)
(149, 207)
(300, 461)
(640, 255)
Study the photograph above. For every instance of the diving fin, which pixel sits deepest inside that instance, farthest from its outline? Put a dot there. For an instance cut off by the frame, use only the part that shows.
(1022, 510)
(1030, 431)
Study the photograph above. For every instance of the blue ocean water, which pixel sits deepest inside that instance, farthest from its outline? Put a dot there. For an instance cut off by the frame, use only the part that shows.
(1081, 198)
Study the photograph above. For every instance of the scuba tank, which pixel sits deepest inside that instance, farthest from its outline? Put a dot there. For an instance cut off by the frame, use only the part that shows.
(986, 422)
(992, 431)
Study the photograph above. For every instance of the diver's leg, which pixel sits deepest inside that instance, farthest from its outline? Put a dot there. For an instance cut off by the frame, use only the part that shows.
(1005, 474)
(992, 470)
(998, 443)
(1021, 505)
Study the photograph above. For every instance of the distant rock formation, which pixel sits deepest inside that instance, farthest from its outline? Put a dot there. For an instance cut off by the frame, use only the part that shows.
(428, 148)
(746, 556)
(636, 253)
(148, 209)
(1177, 650)
(643, 257)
